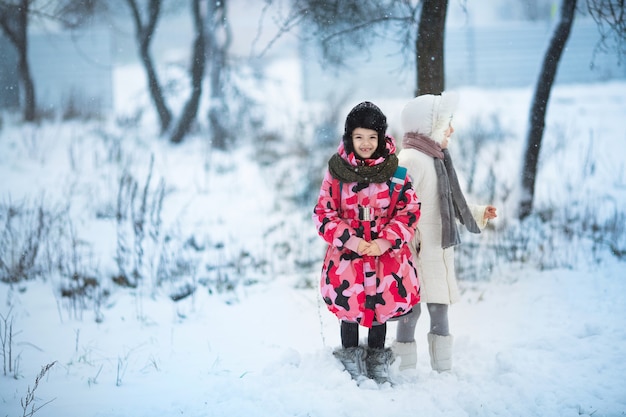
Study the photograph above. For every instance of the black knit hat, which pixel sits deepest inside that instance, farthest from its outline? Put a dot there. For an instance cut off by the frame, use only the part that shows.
(368, 116)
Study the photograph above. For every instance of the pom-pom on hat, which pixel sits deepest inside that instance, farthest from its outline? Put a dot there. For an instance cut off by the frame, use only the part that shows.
(429, 114)
(368, 116)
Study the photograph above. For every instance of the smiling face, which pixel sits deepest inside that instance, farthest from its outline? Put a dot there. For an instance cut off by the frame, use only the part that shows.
(365, 142)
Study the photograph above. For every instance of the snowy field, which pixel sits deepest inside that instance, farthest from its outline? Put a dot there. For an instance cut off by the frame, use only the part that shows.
(532, 344)
(528, 342)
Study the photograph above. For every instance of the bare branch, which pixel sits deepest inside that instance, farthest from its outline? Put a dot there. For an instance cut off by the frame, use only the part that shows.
(287, 25)
(610, 18)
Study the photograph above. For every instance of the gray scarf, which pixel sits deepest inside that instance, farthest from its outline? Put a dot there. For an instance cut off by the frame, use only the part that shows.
(451, 200)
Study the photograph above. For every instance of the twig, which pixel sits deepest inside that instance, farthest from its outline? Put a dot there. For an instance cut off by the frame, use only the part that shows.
(29, 401)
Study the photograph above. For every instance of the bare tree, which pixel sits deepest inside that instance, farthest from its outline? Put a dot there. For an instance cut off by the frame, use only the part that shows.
(144, 31)
(198, 64)
(429, 47)
(539, 106)
(344, 26)
(217, 23)
(15, 18)
(14, 23)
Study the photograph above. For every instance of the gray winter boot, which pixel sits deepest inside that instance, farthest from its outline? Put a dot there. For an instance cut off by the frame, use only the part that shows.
(440, 349)
(378, 361)
(353, 360)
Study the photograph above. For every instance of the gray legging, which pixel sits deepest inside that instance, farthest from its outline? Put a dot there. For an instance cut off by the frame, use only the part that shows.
(438, 322)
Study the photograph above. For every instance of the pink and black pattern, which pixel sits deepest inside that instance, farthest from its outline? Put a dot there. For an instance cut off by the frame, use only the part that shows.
(367, 289)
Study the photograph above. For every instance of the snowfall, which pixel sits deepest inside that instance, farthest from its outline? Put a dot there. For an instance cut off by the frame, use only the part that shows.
(528, 341)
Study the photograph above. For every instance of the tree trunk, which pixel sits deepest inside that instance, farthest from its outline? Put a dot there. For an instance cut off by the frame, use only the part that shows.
(429, 47)
(218, 120)
(30, 111)
(540, 104)
(14, 23)
(197, 74)
(144, 34)
(156, 91)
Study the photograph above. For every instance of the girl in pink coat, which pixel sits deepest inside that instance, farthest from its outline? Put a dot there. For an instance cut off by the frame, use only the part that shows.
(367, 212)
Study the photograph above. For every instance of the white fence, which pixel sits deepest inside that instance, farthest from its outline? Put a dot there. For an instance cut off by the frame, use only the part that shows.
(507, 55)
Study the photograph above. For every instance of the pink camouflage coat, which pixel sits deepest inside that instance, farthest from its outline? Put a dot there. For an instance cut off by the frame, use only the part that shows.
(366, 289)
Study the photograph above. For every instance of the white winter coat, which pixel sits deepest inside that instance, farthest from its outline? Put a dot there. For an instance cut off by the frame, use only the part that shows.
(435, 266)
(430, 115)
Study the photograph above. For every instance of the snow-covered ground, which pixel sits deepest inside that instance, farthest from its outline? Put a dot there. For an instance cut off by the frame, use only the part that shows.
(527, 342)
(532, 343)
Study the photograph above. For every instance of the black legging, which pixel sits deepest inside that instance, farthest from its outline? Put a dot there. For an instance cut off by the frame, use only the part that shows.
(375, 337)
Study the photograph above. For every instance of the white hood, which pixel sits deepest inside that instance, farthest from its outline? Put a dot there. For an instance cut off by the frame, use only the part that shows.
(429, 114)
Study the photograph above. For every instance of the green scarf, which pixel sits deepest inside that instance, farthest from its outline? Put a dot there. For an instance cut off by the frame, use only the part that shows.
(342, 170)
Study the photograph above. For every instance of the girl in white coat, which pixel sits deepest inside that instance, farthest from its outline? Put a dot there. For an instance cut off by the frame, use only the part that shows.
(426, 121)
